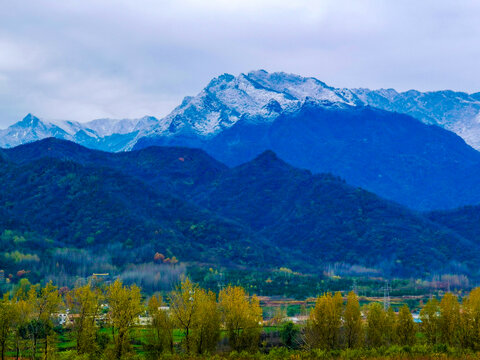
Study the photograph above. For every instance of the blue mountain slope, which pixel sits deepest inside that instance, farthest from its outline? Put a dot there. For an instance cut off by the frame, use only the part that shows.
(396, 156)
(261, 213)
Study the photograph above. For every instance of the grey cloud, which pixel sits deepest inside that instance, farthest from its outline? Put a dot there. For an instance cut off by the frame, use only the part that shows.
(114, 58)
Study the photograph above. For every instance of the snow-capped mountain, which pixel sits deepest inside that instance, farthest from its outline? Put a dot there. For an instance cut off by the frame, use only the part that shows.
(255, 97)
(105, 134)
(260, 96)
(31, 129)
(455, 111)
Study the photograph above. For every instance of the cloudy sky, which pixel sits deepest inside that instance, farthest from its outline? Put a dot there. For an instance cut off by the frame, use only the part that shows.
(89, 59)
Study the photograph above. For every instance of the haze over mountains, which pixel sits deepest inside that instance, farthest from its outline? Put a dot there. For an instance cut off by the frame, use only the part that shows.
(357, 134)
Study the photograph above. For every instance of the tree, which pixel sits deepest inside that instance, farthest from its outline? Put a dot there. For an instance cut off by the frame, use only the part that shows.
(405, 327)
(375, 325)
(430, 317)
(160, 335)
(352, 321)
(7, 317)
(278, 316)
(85, 302)
(45, 303)
(389, 335)
(242, 318)
(469, 329)
(22, 290)
(183, 307)
(22, 314)
(288, 334)
(206, 322)
(449, 321)
(125, 306)
(325, 321)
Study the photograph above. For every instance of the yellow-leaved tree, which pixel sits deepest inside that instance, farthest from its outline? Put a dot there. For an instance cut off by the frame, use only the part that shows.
(449, 320)
(353, 322)
(160, 330)
(45, 303)
(430, 316)
(206, 322)
(323, 327)
(125, 306)
(183, 308)
(195, 312)
(85, 302)
(375, 328)
(390, 336)
(469, 329)
(7, 321)
(242, 318)
(405, 327)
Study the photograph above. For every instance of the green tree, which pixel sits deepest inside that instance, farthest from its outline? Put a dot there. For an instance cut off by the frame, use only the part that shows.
(288, 334)
(405, 327)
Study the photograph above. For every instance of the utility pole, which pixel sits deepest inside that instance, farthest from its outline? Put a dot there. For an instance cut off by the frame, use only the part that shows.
(354, 287)
(386, 296)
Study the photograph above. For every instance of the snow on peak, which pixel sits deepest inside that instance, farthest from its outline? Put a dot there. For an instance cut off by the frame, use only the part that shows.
(257, 94)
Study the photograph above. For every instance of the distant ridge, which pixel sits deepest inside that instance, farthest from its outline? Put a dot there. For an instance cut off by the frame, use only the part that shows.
(261, 97)
(310, 124)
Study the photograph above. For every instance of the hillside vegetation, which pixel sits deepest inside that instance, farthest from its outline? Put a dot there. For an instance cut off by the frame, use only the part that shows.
(71, 211)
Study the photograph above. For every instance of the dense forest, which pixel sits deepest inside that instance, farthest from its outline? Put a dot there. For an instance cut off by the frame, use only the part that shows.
(115, 321)
(68, 211)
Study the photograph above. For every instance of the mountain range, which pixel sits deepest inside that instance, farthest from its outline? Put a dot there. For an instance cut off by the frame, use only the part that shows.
(60, 199)
(401, 146)
(261, 97)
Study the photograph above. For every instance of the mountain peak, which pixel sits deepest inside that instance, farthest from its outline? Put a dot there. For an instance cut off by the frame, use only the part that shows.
(268, 155)
(29, 120)
(258, 73)
(224, 78)
(269, 160)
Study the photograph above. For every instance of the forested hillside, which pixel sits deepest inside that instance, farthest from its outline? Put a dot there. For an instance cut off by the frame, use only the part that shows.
(86, 210)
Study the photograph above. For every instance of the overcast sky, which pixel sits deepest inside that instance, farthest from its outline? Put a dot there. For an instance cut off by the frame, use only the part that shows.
(89, 59)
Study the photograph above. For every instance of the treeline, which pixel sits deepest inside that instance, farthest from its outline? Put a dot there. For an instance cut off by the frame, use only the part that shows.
(115, 322)
(29, 320)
